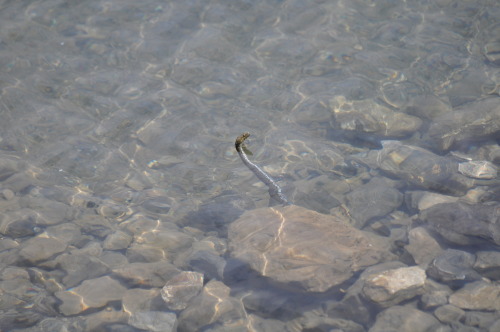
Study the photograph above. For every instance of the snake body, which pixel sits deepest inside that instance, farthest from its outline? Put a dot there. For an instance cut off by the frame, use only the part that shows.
(274, 190)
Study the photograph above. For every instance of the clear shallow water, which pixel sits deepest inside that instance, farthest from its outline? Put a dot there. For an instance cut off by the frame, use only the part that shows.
(126, 113)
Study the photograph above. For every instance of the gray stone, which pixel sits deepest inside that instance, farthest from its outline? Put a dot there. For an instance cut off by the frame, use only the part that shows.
(145, 253)
(80, 267)
(117, 241)
(422, 246)
(419, 167)
(464, 224)
(49, 212)
(374, 199)
(180, 289)
(453, 267)
(93, 293)
(481, 319)
(478, 169)
(488, 264)
(295, 245)
(213, 305)
(478, 295)
(394, 286)
(404, 319)
(95, 225)
(435, 295)
(154, 321)
(142, 300)
(66, 232)
(473, 121)
(369, 117)
(41, 248)
(147, 274)
(449, 314)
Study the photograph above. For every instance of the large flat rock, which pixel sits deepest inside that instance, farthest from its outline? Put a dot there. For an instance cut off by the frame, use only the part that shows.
(294, 245)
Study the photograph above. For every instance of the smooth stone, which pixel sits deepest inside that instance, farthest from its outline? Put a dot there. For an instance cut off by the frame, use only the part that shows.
(6, 244)
(488, 264)
(478, 169)
(66, 232)
(80, 267)
(18, 224)
(95, 225)
(40, 248)
(145, 253)
(449, 314)
(453, 267)
(154, 321)
(154, 274)
(435, 294)
(422, 246)
(214, 304)
(404, 319)
(138, 299)
(421, 200)
(113, 259)
(369, 117)
(478, 295)
(294, 245)
(170, 240)
(420, 167)
(117, 241)
(474, 121)
(463, 223)
(93, 293)
(49, 212)
(394, 286)
(179, 290)
(481, 319)
(371, 200)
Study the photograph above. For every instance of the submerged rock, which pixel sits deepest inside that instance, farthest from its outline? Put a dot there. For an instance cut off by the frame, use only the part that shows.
(478, 169)
(394, 286)
(374, 199)
(369, 117)
(92, 293)
(404, 319)
(214, 305)
(419, 167)
(311, 250)
(453, 267)
(476, 121)
(478, 295)
(465, 224)
(179, 290)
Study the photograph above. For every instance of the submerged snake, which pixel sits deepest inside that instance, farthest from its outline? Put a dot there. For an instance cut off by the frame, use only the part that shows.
(274, 190)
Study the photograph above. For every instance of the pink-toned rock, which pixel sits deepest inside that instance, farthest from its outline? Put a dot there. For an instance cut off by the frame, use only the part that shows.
(312, 250)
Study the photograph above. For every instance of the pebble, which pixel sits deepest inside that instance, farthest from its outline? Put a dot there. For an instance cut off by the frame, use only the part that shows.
(92, 293)
(453, 267)
(478, 295)
(404, 319)
(40, 248)
(155, 321)
(488, 264)
(422, 246)
(394, 286)
(179, 290)
(449, 313)
(117, 241)
(154, 274)
(78, 268)
(213, 304)
(478, 169)
(138, 299)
